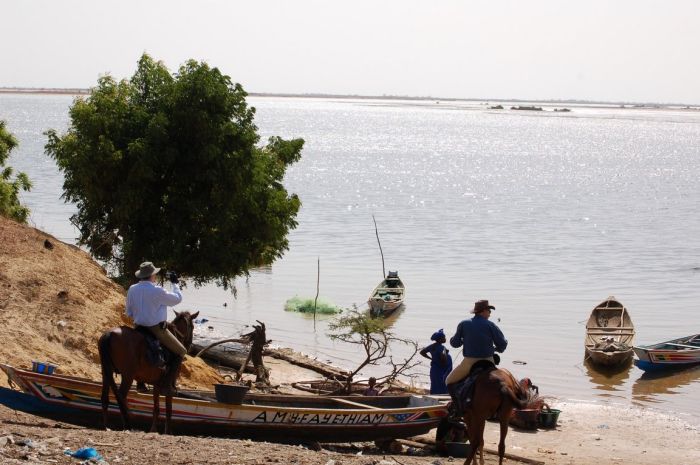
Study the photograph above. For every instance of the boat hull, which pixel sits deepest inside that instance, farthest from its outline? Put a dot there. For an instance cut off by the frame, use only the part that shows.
(77, 401)
(675, 353)
(609, 359)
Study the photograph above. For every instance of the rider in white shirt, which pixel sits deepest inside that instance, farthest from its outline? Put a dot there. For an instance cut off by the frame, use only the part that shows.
(147, 304)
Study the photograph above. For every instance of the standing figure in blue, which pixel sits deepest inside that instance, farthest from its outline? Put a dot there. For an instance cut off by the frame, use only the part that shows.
(479, 338)
(440, 362)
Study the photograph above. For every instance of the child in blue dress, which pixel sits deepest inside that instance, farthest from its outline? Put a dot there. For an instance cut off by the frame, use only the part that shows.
(440, 362)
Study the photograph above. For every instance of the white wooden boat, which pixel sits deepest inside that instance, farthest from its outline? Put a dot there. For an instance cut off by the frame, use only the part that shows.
(387, 296)
(684, 351)
(270, 417)
(609, 334)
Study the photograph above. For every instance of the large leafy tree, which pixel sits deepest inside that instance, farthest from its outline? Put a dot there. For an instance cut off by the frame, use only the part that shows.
(168, 167)
(10, 188)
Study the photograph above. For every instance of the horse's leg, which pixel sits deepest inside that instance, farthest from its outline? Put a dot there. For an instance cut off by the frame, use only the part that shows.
(478, 444)
(504, 420)
(168, 412)
(107, 384)
(107, 375)
(156, 408)
(471, 434)
(122, 395)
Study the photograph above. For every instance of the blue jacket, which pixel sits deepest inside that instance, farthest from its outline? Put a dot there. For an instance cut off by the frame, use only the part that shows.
(479, 337)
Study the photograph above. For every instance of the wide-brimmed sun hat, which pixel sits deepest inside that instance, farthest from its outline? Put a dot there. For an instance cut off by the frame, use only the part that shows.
(146, 270)
(481, 305)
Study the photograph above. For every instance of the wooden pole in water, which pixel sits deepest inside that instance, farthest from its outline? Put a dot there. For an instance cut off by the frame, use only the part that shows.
(318, 280)
(376, 232)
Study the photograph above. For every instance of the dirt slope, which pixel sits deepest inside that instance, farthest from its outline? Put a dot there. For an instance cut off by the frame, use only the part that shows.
(55, 301)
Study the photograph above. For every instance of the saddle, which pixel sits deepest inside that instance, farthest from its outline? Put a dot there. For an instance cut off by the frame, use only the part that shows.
(156, 354)
(465, 388)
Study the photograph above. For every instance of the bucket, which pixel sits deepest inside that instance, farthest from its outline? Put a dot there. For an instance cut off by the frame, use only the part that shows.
(458, 449)
(44, 368)
(230, 393)
(548, 418)
(525, 418)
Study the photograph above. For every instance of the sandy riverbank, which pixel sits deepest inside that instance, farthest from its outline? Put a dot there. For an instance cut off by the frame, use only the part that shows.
(55, 301)
(586, 435)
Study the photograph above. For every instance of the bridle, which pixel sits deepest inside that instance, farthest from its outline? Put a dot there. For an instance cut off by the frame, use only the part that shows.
(185, 339)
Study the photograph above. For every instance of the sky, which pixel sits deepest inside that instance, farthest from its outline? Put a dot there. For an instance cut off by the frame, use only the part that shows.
(609, 50)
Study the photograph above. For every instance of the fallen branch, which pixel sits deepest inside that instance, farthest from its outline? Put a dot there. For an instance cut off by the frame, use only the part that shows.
(223, 341)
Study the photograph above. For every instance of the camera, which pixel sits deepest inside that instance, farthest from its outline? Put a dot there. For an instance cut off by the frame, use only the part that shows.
(172, 276)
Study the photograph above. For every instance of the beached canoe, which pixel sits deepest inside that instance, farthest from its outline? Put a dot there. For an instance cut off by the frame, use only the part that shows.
(609, 334)
(684, 351)
(284, 418)
(387, 296)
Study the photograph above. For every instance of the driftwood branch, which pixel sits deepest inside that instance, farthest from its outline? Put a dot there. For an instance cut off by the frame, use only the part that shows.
(259, 340)
(223, 341)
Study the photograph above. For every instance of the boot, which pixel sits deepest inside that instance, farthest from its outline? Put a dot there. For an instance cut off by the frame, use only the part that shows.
(167, 382)
(455, 410)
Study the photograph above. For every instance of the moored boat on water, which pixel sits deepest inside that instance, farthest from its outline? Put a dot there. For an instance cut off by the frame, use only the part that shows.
(609, 334)
(387, 296)
(684, 351)
(270, 417)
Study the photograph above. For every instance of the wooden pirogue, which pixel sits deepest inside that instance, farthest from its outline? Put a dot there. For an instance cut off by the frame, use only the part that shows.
(681, 352)
(387, 296)
(609, 334)
(285, 418)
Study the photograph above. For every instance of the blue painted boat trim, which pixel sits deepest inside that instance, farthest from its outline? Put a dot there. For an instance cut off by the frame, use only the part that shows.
(17, 400)
(651, 366)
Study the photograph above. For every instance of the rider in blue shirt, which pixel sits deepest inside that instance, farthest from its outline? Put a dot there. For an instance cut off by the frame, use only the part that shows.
(479, 338)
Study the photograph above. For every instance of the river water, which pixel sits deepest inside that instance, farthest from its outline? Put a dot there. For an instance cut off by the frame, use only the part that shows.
(545, 214)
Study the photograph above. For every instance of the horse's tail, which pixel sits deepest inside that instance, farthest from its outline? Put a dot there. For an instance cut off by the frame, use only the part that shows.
(511, 388)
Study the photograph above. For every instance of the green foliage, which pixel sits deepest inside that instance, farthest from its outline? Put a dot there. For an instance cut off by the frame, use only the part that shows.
(358, 328)
(298, 304)
(9, 189)
(373, 335)
(168, 167)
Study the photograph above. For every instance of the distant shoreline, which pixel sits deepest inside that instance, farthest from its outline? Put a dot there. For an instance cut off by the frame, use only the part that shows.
(82, 91)
(44, 90)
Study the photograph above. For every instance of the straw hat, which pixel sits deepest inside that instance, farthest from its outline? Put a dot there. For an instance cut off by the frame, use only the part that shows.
(146, 270)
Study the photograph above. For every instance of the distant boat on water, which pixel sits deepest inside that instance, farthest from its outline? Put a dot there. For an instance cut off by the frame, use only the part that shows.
(609, 334)
(387, 296)
(684, 351)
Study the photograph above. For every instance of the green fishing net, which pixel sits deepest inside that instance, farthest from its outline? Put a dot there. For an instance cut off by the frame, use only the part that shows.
(299, 304)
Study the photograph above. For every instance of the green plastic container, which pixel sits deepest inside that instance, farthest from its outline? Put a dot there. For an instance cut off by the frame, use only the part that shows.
(548, 418)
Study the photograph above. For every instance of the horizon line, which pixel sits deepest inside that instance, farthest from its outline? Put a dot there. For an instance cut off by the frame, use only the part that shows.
(86, 91)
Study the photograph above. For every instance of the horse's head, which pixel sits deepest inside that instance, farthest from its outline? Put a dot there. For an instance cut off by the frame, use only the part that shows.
(183, 327)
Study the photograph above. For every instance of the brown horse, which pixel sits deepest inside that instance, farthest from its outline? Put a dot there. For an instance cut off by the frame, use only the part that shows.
(123, 350)
(495, 392)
